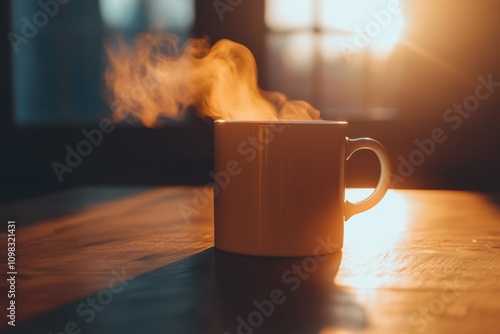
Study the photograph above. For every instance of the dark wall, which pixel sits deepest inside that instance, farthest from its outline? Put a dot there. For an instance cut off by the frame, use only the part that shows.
(6, 69)
(243, 24)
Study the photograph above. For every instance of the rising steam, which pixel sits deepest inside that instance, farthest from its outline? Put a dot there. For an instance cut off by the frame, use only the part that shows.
(156, 79)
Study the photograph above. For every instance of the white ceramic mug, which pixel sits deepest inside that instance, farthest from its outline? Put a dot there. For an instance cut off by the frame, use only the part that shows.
(280, 186)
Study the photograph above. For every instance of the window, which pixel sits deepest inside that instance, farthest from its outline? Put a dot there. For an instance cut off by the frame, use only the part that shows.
(336, 54)
(58, 58)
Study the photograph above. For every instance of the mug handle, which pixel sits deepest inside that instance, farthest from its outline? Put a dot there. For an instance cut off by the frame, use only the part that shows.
(384, 181)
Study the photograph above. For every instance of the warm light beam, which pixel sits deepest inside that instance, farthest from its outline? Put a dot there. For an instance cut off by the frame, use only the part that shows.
(438, 61)
(370, 239)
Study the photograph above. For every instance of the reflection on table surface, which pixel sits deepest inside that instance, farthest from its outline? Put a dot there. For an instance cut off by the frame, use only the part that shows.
(128, 262)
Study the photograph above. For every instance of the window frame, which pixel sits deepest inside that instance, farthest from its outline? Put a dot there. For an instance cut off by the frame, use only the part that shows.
(367, 111)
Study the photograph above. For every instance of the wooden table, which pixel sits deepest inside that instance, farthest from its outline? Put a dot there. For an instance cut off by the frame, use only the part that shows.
(120, 260)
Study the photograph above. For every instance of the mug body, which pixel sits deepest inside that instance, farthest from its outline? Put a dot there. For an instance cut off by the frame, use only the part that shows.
(279, 187)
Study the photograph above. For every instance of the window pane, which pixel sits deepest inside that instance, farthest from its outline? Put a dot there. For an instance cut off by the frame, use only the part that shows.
(290, 14)
(349, 14)
(376, 24)
(339, 61)
(57, 72)
(361, 89)
(290, 64)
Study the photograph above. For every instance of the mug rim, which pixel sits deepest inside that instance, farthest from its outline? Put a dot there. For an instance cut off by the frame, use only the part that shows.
(289, 121)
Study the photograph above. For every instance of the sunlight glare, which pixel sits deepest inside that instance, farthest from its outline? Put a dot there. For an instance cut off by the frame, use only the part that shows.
(380, 227)
(370, 238)
(375, 20)
(383, 44)
(351, 15)
(374, 25)
(286, 14)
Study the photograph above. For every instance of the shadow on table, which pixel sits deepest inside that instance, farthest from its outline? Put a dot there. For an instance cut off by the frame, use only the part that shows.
(63, 203)
(276, 295)
(215, 292)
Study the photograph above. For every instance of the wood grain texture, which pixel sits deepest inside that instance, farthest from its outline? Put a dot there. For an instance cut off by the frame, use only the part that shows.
(419, 262)
(67, 257)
